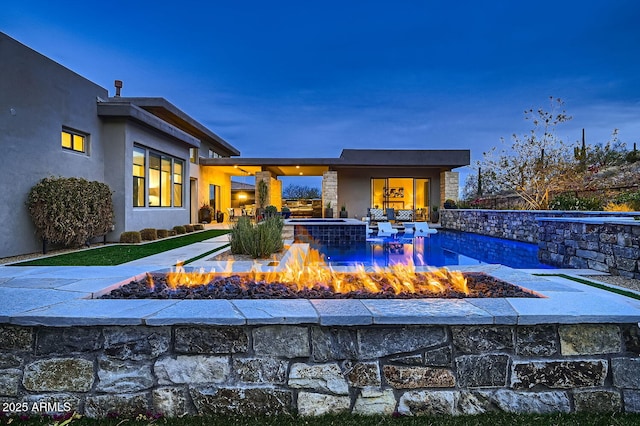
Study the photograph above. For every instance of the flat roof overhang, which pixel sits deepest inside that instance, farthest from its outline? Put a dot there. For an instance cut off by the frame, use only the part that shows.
(350, 158)
(169, 113)
(133, 112)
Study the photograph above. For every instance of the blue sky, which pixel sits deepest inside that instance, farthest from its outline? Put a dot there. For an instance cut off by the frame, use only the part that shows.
(309, 78)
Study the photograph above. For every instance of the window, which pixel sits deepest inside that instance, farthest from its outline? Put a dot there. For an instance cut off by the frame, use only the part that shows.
(73, 141)
(165, 177)
(139, 170)
(193, 155)
(401, 194)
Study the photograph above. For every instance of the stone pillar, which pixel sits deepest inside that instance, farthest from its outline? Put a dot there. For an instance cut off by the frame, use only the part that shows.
(330, 191)
(449, 187)
(274, 190)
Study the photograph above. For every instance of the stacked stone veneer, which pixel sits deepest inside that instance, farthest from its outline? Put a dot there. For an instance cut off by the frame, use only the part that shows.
(330, 192)
(519, 225)
(312, 370)
(607, 247)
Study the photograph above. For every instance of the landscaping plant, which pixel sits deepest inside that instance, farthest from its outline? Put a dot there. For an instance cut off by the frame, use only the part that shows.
(149, 234)
(131, 237)
(70, 211)
(257, 241)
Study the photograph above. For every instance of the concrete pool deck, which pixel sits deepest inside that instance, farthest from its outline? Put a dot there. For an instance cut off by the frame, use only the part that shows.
(62, 296)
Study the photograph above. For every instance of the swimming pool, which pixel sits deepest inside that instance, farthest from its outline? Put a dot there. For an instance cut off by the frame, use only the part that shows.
(445, 248)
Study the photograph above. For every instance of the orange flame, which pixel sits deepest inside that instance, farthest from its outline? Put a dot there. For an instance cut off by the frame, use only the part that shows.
(312, 271)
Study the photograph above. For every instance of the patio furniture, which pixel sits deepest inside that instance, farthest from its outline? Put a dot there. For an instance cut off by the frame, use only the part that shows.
(391, 214)
(385, 229)
(377, 215)
(369, 230)
(409, 228)
(422, 229)
(232, 214)
(404, 215)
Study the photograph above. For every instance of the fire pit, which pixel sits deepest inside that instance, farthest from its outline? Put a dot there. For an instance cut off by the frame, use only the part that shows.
(397, 282)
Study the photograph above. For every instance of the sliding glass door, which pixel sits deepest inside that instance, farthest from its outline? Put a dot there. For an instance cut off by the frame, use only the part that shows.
(401, 194)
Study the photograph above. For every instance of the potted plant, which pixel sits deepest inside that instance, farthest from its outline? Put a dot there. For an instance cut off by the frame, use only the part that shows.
(343, 211)
(220, 216)
(270, 211)
(205, 214)
(435, 216)
(286, 212)
(328, 211)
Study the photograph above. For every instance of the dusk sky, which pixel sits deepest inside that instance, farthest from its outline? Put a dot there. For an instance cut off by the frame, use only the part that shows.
(309, 78)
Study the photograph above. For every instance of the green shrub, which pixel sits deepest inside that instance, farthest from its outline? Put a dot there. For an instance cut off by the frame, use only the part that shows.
(149, 234)
(571, 202)
(131, 237)
(261, 240)
(179, 229)
(70, 211)
(631, 198)
(163, 233)
(188, 228)
(450, 204)
(270, 211)
(632, 156)
(198, 227)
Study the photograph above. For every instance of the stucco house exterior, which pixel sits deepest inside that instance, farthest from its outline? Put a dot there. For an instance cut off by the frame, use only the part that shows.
(162, 164)
(54, 122)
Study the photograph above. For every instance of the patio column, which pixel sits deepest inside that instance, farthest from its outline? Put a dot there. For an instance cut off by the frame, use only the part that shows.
(449, 187)
(330, 191)
(274, 190)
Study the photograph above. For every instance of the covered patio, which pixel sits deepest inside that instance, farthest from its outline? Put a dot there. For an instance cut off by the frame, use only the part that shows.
(401, 180)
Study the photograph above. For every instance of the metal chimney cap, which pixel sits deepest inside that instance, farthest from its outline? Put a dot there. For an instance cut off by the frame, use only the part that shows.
(118, 84)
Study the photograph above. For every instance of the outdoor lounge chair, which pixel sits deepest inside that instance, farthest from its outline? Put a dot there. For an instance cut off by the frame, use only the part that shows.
(422, 229)
(369, 230)
(409, 227)
(385, 229)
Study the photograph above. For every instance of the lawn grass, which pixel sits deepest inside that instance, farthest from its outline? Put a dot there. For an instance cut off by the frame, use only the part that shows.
(596, 285)
(492, 419)
(117, 254)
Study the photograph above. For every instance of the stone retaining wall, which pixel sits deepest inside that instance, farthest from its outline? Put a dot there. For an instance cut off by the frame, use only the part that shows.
(519, 225)
(313, 370)
(607, 247)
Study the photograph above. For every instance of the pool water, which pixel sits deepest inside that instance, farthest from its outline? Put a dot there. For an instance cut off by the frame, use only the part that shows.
(442, 249)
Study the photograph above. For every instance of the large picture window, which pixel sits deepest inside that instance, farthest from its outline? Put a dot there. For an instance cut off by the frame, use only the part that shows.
(164, 183)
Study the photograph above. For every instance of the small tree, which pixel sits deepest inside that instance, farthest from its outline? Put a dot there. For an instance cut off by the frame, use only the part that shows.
(536, 164)
(70, 211)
